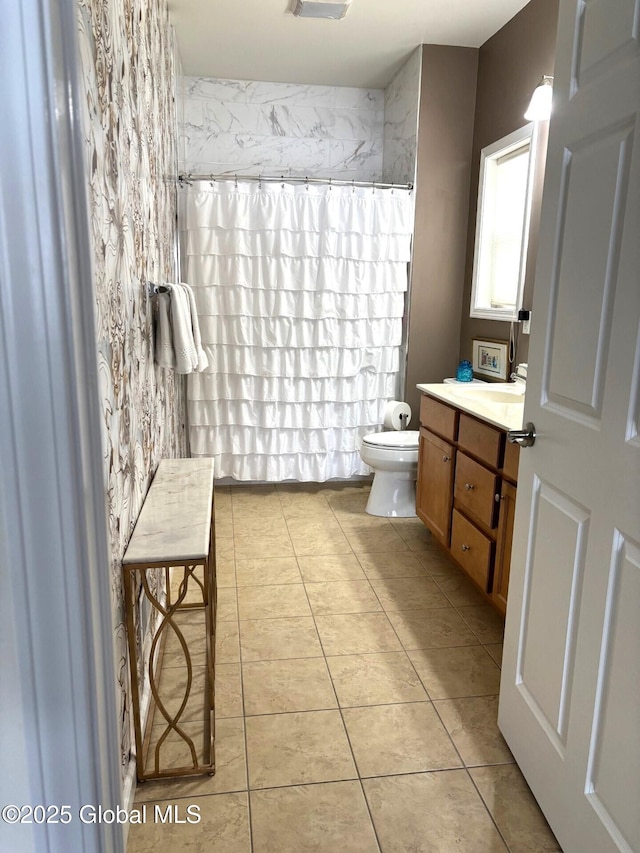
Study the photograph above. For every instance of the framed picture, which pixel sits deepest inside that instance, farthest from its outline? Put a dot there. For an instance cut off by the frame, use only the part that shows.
(491, 359)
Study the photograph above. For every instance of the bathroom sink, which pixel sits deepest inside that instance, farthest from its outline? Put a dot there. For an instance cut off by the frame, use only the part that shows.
(505, 396)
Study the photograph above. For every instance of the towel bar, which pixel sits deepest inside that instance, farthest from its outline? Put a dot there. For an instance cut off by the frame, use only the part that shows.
(155, 289)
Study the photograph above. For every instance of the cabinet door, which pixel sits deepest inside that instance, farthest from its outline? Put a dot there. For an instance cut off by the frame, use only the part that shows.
(434, 489)
(503, 546)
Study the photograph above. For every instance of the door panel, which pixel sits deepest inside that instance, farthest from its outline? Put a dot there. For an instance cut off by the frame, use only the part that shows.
(632, 431)
(596, 168)
(546, 653)
(603, 35)
(613, 777)
(570, 688)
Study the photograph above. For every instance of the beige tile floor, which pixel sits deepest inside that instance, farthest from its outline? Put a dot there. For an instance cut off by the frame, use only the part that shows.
(357, 675)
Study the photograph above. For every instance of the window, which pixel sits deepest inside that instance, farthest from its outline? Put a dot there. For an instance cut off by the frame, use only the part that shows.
(502, 228)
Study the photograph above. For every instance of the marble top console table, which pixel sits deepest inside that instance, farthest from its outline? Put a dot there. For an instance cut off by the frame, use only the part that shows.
(170, 583)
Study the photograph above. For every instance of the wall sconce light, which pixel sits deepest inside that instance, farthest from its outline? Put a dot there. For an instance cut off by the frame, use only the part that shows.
(540, 106)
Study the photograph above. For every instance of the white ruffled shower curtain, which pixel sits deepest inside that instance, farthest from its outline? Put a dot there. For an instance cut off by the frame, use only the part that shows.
(300, 290)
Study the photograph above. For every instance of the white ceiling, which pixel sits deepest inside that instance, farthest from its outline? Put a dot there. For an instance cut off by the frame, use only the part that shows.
(262, 40)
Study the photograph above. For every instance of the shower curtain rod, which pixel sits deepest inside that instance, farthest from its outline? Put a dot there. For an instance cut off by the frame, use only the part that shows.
(185, 178)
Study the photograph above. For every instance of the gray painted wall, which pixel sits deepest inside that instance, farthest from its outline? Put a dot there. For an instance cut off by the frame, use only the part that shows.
(509, 68)
(445, 136)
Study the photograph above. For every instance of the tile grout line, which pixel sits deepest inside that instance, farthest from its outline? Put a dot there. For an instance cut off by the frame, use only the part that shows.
(435, 707)
(344, 726)
(466, 770)
(401, 645)
(457, 607)
(307, 555)
(484, 803)
(405, 651)
(346, 731)
(244, 716)
(338, 708)
(355, 779)
(360, 654)
(465, 766)
(394, 703)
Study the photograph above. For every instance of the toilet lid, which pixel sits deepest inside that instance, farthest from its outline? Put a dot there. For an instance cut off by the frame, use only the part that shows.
(402, 439)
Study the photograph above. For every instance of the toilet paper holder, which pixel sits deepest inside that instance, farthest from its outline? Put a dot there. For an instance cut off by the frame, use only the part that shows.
(397, 415)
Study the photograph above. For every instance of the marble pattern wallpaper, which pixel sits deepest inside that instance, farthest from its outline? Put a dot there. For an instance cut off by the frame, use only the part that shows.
(401, 108)
(130, 144)
(239, 127)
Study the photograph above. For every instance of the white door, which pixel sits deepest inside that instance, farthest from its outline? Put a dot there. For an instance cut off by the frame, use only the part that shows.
(570, 696)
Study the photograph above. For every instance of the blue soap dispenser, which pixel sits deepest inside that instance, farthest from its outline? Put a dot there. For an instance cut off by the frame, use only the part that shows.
(464, 373)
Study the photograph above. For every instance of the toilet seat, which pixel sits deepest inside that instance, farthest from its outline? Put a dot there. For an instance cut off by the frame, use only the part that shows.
(401, 440)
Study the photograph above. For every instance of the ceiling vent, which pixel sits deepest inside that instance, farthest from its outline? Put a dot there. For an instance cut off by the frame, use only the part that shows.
(332, 10)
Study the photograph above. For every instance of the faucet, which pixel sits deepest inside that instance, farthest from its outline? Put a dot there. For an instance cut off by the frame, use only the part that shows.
(520, 374)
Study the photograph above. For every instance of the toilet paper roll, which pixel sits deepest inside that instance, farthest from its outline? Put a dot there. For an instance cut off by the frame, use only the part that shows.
(392, 412)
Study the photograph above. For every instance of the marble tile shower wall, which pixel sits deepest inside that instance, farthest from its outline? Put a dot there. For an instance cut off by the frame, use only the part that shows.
(180, 96)
(401, 105)
(240, 127)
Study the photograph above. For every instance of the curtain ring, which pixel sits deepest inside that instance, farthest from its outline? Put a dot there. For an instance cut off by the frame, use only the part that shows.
(306, 183)
(236, 182)
(353, 185)
(330, 184)
(373, 190)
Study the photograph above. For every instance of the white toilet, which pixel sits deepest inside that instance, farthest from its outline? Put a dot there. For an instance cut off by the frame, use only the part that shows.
(393, 455)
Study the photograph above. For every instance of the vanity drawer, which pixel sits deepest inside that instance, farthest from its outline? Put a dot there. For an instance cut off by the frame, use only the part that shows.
(481, 440)
(472, 549)
(439, 418)
(475, 489)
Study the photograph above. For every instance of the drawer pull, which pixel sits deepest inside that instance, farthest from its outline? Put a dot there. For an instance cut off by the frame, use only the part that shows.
(497, 498)
(446, 458)
(466, 547)
(469, 486)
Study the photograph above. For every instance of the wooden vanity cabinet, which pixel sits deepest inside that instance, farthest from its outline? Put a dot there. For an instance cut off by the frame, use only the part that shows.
(503, 547)
(466, 493)
(434, 487)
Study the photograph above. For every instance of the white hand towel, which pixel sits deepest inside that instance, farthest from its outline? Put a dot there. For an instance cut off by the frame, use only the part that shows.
(203, 361)
(164, 352)
(183, 343)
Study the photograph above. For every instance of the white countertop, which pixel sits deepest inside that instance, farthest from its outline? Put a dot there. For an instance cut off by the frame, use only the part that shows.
(175, 519)
(470, 399)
